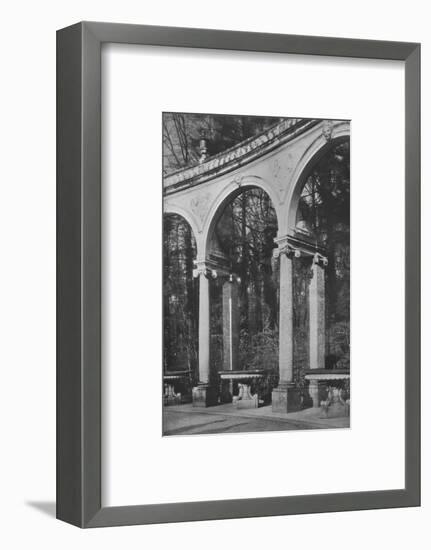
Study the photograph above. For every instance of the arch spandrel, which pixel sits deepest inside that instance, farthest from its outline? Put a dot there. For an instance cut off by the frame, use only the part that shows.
(201, 204)
(279, 168)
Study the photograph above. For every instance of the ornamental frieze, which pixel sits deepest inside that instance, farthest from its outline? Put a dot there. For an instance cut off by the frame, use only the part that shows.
(286, 130)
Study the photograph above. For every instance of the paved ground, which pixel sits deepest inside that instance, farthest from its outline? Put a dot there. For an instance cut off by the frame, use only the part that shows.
(187, 420)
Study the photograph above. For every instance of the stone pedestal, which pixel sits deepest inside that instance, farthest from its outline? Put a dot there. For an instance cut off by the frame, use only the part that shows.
(313, 390)
(245, 399)
(204, 395)
(170, 396)
(335, 406)
(329, 386)
(286, 398)
(318, 391)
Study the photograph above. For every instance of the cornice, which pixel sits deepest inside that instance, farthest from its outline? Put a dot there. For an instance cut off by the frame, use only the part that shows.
(239, 155)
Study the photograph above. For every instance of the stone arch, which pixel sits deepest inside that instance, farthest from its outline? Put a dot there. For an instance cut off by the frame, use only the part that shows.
(180, 347)
(176, 210)
(229, 193)
(311, 156)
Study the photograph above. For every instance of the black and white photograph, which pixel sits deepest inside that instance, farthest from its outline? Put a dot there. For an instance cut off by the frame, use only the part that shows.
(256, 273)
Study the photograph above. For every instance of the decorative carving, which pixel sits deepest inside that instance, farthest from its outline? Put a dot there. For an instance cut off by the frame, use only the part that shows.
(281, 170)
(170, 397)
(293, 245)
(203, 149)
(335, 405)
(203, 269)
(276, 168)
(245, 399)
(199, 206)
(284, 131)
(327, 129)
(237, 180)
(319, 259)
(288, 250)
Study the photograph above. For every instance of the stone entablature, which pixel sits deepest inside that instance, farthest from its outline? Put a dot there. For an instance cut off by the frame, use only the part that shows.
(237, 156)
(297, 247)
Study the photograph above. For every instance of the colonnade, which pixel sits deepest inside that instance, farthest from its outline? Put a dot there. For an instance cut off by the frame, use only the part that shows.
(285, 397)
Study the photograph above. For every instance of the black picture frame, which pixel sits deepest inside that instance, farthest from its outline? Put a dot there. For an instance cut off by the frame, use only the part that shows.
(79, 273)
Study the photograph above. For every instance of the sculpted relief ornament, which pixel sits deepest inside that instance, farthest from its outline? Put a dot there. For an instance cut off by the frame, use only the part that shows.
(319, 259)
(327, 129)
(287, 249)
(238, 180)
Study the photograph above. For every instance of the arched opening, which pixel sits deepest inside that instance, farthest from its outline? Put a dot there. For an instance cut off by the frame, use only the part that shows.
(180, 304)
(323, 216)
(242, 241)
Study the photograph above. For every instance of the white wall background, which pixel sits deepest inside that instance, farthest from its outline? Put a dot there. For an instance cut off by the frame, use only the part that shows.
(27, 290)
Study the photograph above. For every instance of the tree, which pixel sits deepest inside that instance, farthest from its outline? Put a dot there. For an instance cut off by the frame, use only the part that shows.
(179, 296)
(182, 133)
(245, 232)
(325, 207)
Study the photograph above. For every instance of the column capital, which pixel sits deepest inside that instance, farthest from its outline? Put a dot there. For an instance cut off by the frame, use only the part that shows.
(320, 260)
(292, 246)
(285, 247)
(212, 270)
(202, 268)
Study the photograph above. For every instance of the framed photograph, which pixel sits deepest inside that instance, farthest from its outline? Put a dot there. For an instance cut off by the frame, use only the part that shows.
(238, 282)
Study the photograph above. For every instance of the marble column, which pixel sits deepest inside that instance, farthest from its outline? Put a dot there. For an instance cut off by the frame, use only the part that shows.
(285, 397)
(230, 324)
(204, 329)
(204, 394)
(317, 321)
(317, 312)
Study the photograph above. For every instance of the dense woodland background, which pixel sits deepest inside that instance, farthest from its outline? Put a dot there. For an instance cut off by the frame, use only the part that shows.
(245, 232)
(182, 133)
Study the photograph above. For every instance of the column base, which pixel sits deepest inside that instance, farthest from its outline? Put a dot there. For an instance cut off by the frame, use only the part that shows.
(286, 399)
(204, 395)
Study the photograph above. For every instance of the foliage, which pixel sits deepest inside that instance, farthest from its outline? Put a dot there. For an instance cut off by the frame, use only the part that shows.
(325, 207)
(180, 301)
(245, 234)
(260, 351)
(182, 133)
